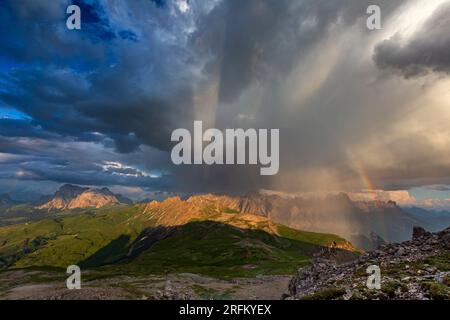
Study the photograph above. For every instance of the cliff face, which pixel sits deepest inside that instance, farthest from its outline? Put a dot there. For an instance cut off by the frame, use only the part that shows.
(336, 214)
(71, 197)
(415, 269)
(93, 198)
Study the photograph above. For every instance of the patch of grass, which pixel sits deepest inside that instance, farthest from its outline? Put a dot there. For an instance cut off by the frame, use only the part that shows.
(441, 262)
(47, 278)
(361, 272)
(111, 253)
(211, 293)
(436, 290)
(93, 275)
(326, 294)
(60, 242)
(229, 210)
(318, 239)
(357, 296)
(391, 288)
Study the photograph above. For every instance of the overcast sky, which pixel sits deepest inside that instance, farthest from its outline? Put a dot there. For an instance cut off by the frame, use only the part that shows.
(356, 109)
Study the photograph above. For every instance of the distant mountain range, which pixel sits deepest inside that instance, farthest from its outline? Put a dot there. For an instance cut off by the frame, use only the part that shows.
(366, 223)
(337, 214)
(430, 219)
(72, 197)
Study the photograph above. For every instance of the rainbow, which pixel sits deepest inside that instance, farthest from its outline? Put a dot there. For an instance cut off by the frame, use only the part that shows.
(364, 176)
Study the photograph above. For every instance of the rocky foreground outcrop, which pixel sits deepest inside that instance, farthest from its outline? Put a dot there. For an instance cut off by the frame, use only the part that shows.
(415, 269)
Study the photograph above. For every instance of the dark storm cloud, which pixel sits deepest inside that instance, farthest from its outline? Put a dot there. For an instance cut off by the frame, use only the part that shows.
(23, 128)
(72, 162)
(31, 32)
(115, 90)
(426, 51)
(73, 84)
(256, 46)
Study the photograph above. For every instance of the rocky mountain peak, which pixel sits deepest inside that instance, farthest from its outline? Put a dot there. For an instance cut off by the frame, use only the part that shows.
(105, 191)
(69, 191)
(70, 197)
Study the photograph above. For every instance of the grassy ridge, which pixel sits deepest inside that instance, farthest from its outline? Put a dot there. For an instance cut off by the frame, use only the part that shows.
(68, 240)
(202, 246)
(221, 250)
